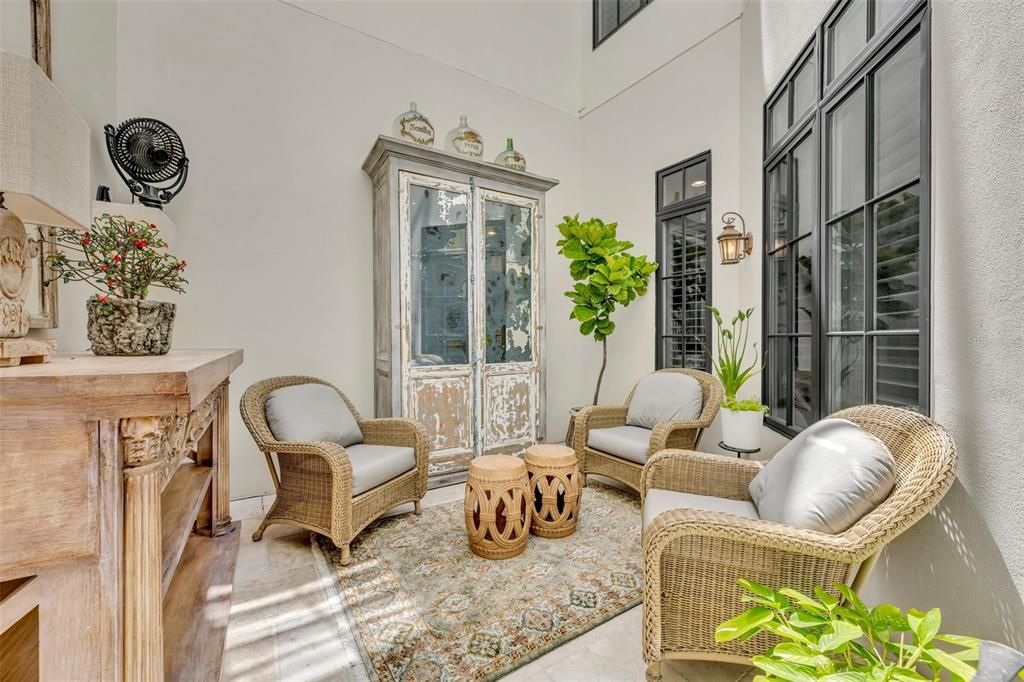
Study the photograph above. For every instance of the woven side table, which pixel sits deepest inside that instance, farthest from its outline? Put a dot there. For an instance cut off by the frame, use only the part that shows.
(497, 506)
(554, 489)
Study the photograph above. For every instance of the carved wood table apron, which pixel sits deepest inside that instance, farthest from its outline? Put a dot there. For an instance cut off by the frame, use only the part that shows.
(114, 517)
(497, 506)
(554, 490)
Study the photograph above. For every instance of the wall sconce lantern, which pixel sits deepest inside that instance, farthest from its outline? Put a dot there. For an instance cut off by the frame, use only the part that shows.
(734, 245)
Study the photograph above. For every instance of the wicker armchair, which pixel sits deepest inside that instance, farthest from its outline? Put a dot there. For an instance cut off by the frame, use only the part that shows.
(693, 558)
(675, 434)
(314, 487)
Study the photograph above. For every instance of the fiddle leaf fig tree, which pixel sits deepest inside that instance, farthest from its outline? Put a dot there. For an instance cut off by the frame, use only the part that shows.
(606, 276)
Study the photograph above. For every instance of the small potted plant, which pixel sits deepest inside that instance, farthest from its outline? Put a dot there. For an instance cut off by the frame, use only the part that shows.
(741, 419)
(122, 259)
(606, 276)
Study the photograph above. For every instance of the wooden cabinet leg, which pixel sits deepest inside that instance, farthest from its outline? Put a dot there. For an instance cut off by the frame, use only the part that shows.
(143, 654)
(220, 486)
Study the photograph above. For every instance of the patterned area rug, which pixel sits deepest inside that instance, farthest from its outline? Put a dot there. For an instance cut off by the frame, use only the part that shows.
(425, 608)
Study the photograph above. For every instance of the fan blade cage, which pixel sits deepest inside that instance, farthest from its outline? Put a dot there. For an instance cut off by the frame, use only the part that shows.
(148, 150)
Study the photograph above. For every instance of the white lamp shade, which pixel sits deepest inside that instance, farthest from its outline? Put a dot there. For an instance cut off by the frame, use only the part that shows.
(44, 148)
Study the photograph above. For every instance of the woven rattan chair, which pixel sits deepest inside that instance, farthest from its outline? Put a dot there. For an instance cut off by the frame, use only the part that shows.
(693, 558)
(675, 434)
(314, 486)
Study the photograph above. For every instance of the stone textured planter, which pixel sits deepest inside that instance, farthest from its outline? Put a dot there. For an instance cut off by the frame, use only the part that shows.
(131, 327)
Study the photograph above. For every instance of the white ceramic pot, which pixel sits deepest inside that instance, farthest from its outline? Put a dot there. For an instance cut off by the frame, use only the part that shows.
(742, 429)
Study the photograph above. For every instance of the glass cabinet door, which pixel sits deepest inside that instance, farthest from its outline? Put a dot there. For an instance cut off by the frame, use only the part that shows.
(437, 311)
(507, 289)
(439, 276)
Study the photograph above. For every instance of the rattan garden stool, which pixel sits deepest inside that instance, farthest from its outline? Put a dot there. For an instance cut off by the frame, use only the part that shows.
(554, 489)
(497, 506)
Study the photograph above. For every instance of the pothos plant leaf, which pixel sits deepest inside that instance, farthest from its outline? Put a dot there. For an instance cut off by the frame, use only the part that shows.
(842, 640)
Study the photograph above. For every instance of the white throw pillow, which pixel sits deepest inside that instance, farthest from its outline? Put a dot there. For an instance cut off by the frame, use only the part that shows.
(309, 412)
(825, 479)
(665, 397)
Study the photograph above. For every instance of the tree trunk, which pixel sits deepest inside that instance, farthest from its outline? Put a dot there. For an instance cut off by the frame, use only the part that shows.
(604, 363)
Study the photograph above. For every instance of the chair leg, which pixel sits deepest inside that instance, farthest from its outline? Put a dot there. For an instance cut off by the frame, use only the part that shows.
(346, 554)
(583, 480)
(654, 672)
(417, 508)
(258, 535)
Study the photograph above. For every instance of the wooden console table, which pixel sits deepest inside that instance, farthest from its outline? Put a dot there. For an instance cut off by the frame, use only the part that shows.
(117, 550)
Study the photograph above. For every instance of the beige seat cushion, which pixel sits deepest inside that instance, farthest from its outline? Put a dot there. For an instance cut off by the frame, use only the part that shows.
(627, 442)
(310, 412)
(659, 501)
(665, 397)
(825, 479)
(373, 465)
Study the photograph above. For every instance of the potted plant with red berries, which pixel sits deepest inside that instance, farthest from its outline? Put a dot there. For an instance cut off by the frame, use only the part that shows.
(122, 259)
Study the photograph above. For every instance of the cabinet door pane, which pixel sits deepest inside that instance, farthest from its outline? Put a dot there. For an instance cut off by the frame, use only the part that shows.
(897, 261)
(898, 118)
(508, 260)
(439, 276)
(846, 154)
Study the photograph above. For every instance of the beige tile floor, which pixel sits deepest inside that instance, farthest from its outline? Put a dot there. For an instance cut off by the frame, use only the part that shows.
(282, 626)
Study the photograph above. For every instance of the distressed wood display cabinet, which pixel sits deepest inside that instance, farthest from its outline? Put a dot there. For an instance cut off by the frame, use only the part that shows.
(458, 301)
(117, 550)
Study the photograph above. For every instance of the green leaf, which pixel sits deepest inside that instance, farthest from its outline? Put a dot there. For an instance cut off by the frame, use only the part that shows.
(802, 619)
(828, 600)
(583, 313)
(927, 627)
(800, 653)
(851, 597)
(848, 676)
(791, 672)
(950, 663)
(743, 623)
(888, 617)
(803, 600)
(587, 328)
(837, 634)
(906, 675)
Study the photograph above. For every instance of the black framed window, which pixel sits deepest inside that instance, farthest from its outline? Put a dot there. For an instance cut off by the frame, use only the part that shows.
(609, 15)
(847, 272)
(683, 246)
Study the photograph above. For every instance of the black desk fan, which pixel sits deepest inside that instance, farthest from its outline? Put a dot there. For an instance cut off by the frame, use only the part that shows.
(149, 157)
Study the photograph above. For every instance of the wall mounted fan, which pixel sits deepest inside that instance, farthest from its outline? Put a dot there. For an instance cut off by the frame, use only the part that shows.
(149, 157)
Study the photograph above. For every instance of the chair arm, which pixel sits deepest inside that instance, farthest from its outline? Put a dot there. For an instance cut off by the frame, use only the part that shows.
(596, 417)
(699, 473)
(751, 535)
(680, 435)
(400, 431)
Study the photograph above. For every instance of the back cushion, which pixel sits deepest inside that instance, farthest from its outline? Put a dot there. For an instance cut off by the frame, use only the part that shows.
(825, 479)
(311, 412)
(665, 397)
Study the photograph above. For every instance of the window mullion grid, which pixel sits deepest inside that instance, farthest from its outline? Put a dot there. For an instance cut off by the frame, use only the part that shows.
(870, 270)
